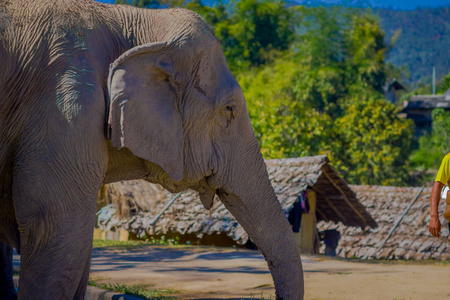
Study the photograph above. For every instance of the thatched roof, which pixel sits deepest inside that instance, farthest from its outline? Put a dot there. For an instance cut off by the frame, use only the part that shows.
(335, 202)
(393, 83)
(410, 239)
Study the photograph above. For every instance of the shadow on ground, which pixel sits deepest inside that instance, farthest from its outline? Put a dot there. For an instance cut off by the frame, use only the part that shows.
(248, 270)
(228, 298)
(113, 259)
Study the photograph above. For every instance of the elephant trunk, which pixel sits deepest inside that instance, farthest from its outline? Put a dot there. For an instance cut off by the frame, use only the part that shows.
(249, 196)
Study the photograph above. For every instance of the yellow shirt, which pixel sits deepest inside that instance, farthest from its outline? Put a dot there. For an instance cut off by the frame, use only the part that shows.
(443, 174)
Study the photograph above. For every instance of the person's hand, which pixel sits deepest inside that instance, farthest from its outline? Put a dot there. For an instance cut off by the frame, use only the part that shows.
(435, 226)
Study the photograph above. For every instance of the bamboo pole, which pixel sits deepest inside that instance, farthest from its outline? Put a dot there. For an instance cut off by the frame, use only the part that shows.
(423, 216)
(164, 209)
(400, 219)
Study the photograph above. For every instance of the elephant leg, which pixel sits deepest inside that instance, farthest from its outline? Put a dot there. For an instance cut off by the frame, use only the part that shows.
(56, 217)
(55, 261)
(7, 290)
(81, 290)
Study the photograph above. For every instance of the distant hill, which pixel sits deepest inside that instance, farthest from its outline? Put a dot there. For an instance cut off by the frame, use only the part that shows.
(424, 41)
(346, 3)
(390, 4)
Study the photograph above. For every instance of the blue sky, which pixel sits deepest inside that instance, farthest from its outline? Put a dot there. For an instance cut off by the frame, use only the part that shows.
(397, 4)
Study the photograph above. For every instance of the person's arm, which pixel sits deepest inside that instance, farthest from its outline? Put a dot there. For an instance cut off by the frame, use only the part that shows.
(435, 225)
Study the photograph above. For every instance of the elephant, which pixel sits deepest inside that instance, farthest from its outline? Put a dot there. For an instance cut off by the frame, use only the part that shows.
(93, 93)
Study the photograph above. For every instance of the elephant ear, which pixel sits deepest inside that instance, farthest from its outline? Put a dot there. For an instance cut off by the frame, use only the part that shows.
(143, 111)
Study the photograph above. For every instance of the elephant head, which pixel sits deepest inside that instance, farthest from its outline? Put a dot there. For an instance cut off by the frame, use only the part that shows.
(175, 104)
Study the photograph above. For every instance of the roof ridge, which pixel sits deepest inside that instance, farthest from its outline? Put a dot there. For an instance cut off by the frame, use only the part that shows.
(317, 159)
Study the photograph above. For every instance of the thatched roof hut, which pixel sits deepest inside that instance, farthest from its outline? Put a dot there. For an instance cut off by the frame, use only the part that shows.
(336, 202)
(410, 240)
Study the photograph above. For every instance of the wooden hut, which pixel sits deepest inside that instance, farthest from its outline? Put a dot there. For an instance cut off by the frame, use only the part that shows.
(392, 90)
(329, 196)
(402, 214)
(420, 108)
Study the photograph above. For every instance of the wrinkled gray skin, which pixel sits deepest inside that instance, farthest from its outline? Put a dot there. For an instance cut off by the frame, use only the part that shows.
(175, 115)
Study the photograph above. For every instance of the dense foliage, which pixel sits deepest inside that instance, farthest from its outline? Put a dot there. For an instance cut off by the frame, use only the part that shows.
(313, 78)
(434, 145)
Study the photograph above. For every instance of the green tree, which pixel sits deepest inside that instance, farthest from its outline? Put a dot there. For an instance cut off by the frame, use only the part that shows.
(283, 125)
(322, 35)
(254, 30)
(367, 51)
(323, 97)
(444, 85)
(250, 34)
(320, 50)
(441, 131)
(341, 48)
(433, 146)
(373, 141)
(213, 15)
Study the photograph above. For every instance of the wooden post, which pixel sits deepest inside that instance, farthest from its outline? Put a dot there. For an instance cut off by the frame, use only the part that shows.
(123, 235)
(97, 234)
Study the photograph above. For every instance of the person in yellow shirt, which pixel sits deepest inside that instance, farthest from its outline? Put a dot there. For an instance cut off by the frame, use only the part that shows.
(442, 178)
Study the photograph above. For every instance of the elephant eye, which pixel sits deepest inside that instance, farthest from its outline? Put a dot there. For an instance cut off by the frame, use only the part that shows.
(230, 109)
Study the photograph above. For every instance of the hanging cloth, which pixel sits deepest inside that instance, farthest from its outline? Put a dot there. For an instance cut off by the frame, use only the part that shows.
(301, 206)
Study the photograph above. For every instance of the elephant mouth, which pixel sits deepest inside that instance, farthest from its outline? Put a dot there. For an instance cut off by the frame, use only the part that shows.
(207, 187)
(206, 193)
(214, 180)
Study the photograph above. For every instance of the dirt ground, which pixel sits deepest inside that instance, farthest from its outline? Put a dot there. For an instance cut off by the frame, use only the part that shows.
(219, 273)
